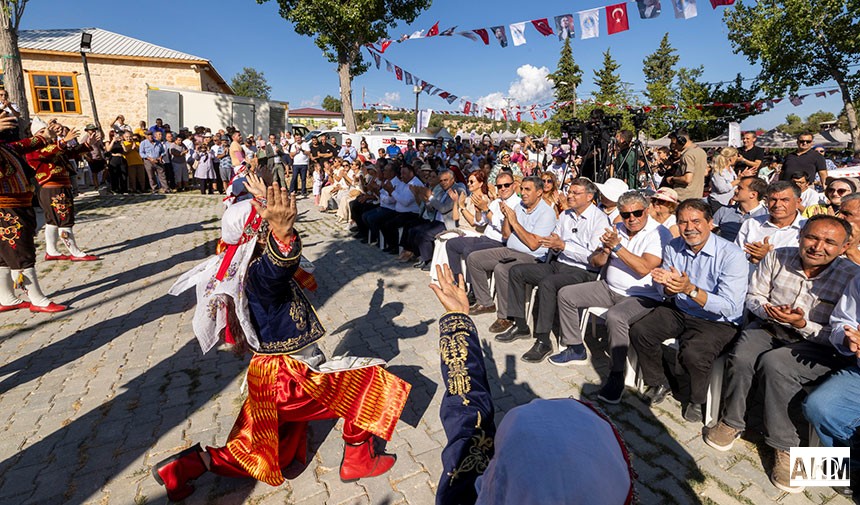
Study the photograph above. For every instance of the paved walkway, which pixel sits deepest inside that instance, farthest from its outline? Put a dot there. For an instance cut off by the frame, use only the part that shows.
(92, 397)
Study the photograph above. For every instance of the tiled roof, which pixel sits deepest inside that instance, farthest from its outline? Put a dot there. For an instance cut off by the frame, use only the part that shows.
(104, 42)
(311, 111)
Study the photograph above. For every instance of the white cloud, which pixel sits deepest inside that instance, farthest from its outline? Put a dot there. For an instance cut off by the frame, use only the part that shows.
(391, 97)
(316, 100)
(531, 87)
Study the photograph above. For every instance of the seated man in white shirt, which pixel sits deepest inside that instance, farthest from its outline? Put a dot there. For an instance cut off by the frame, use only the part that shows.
(406, 208)
(524, 227)
(780, 228)
(575, 238)
(749, 194)
(629, 250)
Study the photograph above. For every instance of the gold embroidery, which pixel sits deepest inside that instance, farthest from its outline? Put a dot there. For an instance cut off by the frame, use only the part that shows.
(478, 456)
(454, 351)
(58, 203)
(11, 231)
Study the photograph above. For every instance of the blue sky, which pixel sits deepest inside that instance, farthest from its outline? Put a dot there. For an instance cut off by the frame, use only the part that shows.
(238, 33)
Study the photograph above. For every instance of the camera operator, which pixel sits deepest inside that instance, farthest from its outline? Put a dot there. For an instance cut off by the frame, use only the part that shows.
(596, 137)
(625, 166)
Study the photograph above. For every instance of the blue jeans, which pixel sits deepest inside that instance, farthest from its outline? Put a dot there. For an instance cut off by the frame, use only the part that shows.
(833, 409)
(299, 170)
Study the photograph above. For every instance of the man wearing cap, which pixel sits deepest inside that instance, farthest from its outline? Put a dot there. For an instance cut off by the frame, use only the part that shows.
(779, 228)
(392, 150)
(18, 219)
(574, 238)
(610, 191)
(748, 203)
(504, 165)
(55, 190)
(96, 155)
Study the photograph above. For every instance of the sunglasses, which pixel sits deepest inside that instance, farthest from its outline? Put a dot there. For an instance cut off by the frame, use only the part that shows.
(802, 141)
(504, 185)
(546, 180)
(839, 192)
(634, 213)
(473, 181)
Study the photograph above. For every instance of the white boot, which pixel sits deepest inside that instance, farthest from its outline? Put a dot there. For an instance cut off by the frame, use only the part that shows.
(68, 238)
(8, 300)
(27, 280)
(52, 234)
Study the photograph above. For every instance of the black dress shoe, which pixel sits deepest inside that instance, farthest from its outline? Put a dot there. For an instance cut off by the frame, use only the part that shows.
(613, 389)
(693, 413)
(513, 333)
(656, 394)
(538, 352)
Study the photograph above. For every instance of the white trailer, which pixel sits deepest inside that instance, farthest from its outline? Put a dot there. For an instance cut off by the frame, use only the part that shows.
(182, 107)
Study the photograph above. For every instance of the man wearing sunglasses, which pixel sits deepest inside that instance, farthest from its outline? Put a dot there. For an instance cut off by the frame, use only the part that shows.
(805, 159)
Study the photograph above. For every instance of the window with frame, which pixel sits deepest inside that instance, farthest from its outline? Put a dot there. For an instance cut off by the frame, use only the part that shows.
(55, 93)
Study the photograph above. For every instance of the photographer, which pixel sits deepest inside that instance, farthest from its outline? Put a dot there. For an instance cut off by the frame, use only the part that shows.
(625, 166)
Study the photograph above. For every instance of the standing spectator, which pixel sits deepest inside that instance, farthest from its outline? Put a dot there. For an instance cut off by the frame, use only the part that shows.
(750, 156)
(119, 125)
(117, 165)
(224, 166)
(704, 279)
(205, 170)
(96, 156)
(176, 150)
(275, 162)
(392, 150)
(748, 203)
(134, 162)
(787, 343)
(806, 160)
(300, 153)
(689, 181)
(626, 163)
(237, 153)
(157, 127)
(827, 161)
(141, 130)
(154, 155)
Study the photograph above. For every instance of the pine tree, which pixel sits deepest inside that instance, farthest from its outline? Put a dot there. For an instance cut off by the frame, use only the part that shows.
(608, 81)
(659, 70)
(565, 79)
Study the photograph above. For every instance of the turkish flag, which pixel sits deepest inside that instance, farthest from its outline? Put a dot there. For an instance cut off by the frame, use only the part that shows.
(482, 32)
(398, 72)
(717, 3)
(467, 107)
(542, 26)
(616, 18)
(384, 45)
(434, 30)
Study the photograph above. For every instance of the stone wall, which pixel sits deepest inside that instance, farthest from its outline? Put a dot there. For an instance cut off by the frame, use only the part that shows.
(119, 85)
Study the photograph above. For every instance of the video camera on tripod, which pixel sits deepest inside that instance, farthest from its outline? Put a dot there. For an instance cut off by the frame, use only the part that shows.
(595, 135)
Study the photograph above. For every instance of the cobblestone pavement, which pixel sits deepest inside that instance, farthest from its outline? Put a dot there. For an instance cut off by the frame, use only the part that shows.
(92, 397)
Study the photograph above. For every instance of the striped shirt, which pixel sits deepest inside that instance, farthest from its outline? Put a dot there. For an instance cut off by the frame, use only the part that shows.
(780, 280)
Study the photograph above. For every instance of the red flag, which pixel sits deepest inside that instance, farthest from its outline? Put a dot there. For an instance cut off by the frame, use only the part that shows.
(519, 116)
(467, 107)
(384, 45)
(444, 94)
(505, 114)
(534, 116)
(544, 114)
(482, 32)
(542, 25)
(717, 3)
(820, 94)
(398, 72)
(434, 30)
(616, 18)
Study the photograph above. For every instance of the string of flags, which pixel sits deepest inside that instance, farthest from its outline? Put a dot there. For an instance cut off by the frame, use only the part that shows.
(617, 21)
(542, 110)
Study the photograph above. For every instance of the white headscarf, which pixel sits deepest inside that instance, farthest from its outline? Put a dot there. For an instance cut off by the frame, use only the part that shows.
(555, 451)
(210, 314)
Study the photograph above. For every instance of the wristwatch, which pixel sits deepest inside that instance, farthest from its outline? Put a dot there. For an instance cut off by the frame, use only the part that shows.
(694, 293)
(616, 248)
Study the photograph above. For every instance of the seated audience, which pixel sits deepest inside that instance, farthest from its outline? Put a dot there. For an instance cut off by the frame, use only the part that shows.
(779, 228)
(663, 204)
(749, 193)
(833, 193)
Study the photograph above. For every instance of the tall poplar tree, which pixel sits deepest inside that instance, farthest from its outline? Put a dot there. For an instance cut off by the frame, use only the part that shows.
(659, 70)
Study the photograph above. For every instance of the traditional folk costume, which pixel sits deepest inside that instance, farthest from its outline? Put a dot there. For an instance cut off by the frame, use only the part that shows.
(56, 197)
(547, 451)
(289, 380)
(17, 229)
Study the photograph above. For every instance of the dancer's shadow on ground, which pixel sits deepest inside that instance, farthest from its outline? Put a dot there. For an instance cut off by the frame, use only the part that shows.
(152, 238)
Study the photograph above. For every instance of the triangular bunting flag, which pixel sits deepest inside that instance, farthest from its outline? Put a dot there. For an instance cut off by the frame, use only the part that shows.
(616, 18)
(408, 78)
(377, 59)
(434, 30)
(684, 9)
(398, 72)
(717, 3)
(542, 26)
(451, 98)
(485, 37)
(449, 32)
(467, 107)
(518, 35)
(820, 94)
(501, 36)
(832, 91)
(388, 66)
(648, 9)
(589, 23)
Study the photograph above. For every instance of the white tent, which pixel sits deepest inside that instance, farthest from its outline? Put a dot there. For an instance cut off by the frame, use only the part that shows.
(719, 141)
(833, 139)
(661, 142)
(775, 139)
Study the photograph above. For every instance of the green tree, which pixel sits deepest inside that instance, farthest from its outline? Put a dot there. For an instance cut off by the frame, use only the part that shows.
(734, 92)
(566, 78)
(794, 125)
(251, 83)
(331, 104)
(340, 29)
(692, 91)
(802, 43)
(608, 81)
(659, 70)
(11, 12)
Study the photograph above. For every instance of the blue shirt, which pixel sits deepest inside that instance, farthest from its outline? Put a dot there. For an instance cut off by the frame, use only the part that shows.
(152, 149)
(392, 150)
(845, 314)
(720, 268)
(540, 221)
(730, 218)
(348, 153)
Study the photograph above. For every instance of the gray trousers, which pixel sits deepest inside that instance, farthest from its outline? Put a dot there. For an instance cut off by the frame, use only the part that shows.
(155, 174)
(480, 264)
(784, 366)
(623, 312)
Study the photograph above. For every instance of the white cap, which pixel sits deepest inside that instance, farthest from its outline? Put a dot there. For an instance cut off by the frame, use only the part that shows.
(612, 189)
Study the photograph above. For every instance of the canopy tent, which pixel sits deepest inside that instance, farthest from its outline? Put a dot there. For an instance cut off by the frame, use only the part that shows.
(661, 142)
(832, 139)
(775, 139)
(719, 141)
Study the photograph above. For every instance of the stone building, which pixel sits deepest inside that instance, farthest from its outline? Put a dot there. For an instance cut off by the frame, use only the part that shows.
(314, 118)
(122, 69)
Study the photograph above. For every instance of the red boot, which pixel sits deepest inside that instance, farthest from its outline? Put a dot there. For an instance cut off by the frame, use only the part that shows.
(360, 461)
(175, 472)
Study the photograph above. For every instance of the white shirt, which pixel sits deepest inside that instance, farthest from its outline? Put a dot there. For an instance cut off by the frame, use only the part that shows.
(650, 240)
(757, 228)
(581, 235)
(494, 227)
(404, 196)
(297, 152)
(810, 197)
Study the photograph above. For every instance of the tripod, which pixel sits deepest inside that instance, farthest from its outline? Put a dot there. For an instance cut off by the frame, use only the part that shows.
(637, 150)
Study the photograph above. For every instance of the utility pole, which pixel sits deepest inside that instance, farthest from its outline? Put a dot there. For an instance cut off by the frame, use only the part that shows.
(86, 46)
(417, 91)
(508, 100)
